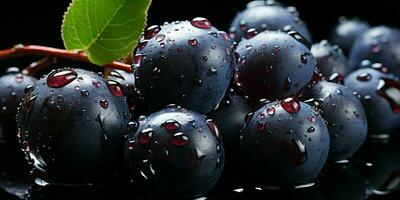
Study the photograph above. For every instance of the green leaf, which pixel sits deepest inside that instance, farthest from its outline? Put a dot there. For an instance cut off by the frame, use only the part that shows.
(105, 30)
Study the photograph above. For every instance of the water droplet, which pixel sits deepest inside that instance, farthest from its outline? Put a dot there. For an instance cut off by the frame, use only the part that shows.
(248, 117)
(137, 60)
(271, 111)
(197, 82)
(152, 31)
(311, 118)
(243, 25)
(179, 139)
(249, 47)
(61, 78)
(291, 105)
(376, 48)
(232, 33)
(303, 58)
(115, 88)
(260, 126)
(132, 126)
(142, 44)
(297, 36)
(201, 22)
(212, 72)
(19, 78)
(224, 35)
(336, 78)
(84, 93)
(28, 89)
(104, 104)
(160, 37)
(144, 137)
(96, 83)
(155, 72)
(380, 67)
(171, 125)
(310, 129)
(192, 42)
(390, 90)
(213, 127)
(251, 33)
(364, 77)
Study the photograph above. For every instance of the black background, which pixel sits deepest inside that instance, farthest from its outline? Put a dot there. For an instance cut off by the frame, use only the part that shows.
(38, 22)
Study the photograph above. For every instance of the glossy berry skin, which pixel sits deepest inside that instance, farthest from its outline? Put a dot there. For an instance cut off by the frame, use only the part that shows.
(71, 126)
(273, 65)
(346, 32)
(344, 114)
(230, 117)
(330, 59)
(12, 86)
(185, 63)
(380, 105)
(281, 148)
(378, 44)
(175, 153)
(134, 99)
(267, 16)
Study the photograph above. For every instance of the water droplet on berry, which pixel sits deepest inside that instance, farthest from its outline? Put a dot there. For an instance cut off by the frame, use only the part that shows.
(336, 78)
(249, 47)
(213, 127)
(364, 77)
(248, 117)
(61, 78)
(251, 33)
(151, 31)
(132, 126)
(171, 125)
(260, 126)
(160, 37)
(84, 93)
(303, 58)
(179, 139)
(201, 22)
(115, 88)
(144, 137)
(310, 129)
(291, 105)
(376, 48)
(192, 42)
(390, 90)
(142, 44)
(96, 84)
(271, 111)
(137, 60)
(104, 104)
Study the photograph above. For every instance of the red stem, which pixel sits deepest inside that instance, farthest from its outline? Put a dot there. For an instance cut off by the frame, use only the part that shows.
(21, 50)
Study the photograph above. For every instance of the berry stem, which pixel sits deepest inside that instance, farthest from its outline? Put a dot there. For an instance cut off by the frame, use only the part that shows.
(21, 50)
